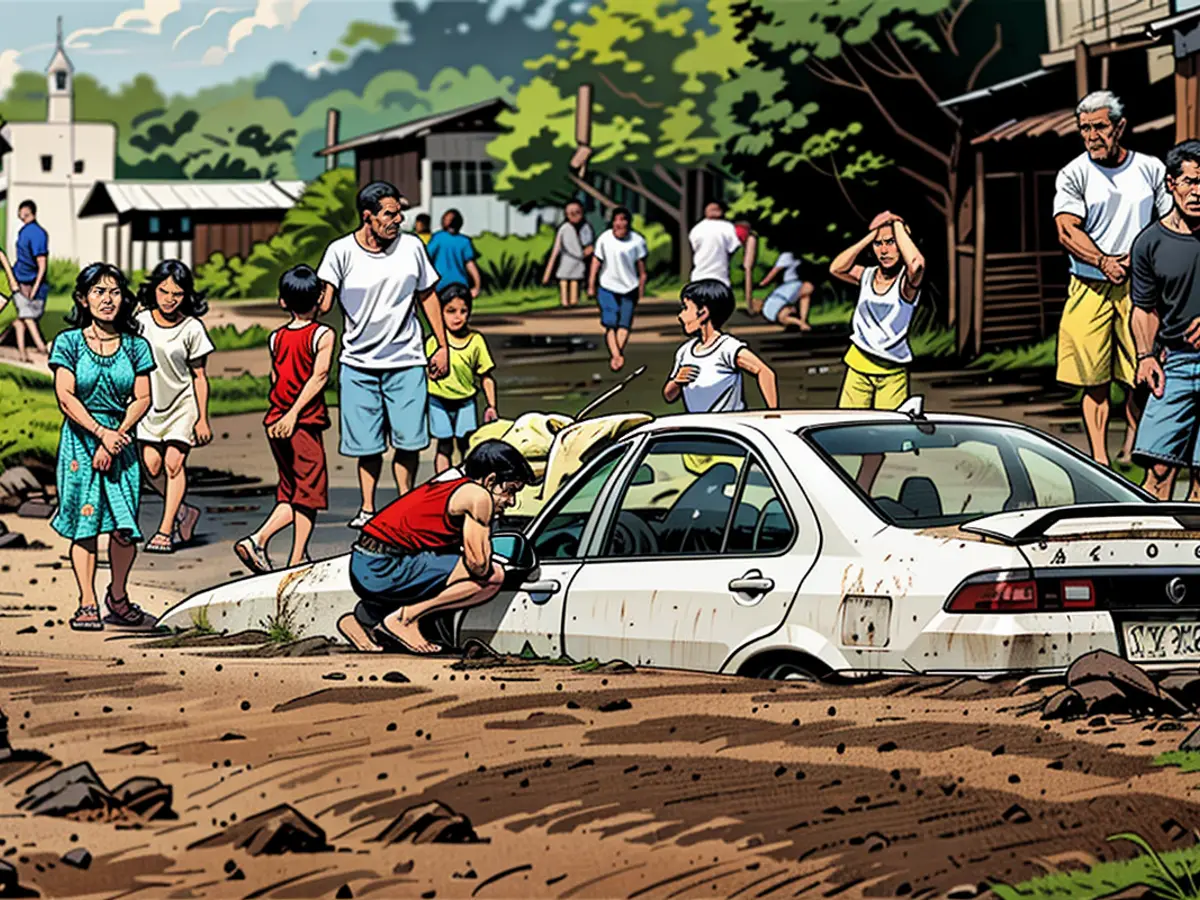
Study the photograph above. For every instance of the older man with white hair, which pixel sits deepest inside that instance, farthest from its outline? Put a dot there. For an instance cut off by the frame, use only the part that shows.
(1103, 199)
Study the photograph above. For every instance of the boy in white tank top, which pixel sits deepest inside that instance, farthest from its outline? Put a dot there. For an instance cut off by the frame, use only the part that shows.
(879, 355)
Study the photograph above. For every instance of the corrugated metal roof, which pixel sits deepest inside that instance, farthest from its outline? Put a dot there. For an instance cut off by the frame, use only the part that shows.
(108, 197)
(992, 90)
(1059, 123)
(408, 129)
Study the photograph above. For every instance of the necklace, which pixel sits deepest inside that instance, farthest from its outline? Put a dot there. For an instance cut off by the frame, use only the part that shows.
(96, 337)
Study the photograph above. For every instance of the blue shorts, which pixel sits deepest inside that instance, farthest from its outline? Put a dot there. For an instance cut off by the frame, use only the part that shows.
(452, 418)
(384, 584)
(616, 310)
(1168, 430)
(378, 405)
(782, 297)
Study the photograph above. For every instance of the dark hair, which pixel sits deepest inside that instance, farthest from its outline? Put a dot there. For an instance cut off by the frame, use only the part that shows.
(1184, 151)
(716, 201)
(89, 276)
(713, 295)
(621, 211)
(500, 459)
(193, 303)
(456, 219)
(455, 290)
(29, 205)
(422, 219)
(573, 202)
(370, 199)
(300, 289)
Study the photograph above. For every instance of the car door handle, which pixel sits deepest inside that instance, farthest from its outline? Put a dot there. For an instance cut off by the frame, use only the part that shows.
(542, 587)
(752, 583)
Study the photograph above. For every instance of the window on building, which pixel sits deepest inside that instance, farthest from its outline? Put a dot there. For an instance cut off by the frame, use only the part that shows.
(79, 167)
(471, 173)
(154, 225)
(456, 178)
(486, 184)
(47, 163)
(60, 81)
(185, 226)
(439, 179)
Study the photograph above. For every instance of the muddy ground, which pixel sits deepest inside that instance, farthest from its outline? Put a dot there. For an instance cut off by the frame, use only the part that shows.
(645, 784)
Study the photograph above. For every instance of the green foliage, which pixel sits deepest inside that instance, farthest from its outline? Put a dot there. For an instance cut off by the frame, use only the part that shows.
(325, 211)
(513, 261)
(61, 274)
(281, 628)
(200, 621)
(1184, 760)
(29, 417)
(367, 32)
(227, 337)
(1032, 356)
(248, 393)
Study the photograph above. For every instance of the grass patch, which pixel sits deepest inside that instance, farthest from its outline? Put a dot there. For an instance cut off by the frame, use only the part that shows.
(227, 337)
(200, 622)
(1185, 760)
(281, 627)
(29, 417)
(933, 343)
(247, 393)
(1169, 875)
(835, 313)
(1041, 355)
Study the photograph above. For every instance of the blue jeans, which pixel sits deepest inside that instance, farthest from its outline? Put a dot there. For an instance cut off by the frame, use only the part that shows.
(376, 405)
(1168, 430)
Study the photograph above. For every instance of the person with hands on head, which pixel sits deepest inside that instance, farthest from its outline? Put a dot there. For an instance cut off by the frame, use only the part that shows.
(431, 550)
(879, 354)
(708, 368)
(1102, 200)
(1165, 269)
(102, 383)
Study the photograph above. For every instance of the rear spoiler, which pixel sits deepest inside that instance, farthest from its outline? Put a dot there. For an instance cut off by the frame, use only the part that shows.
(1031, 525)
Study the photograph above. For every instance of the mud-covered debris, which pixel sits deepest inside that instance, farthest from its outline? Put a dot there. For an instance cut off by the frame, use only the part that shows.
(16, 484)
(344, 893)
(1039, 681)
(430, 823)
(232, 736)
(1183, 685)
(615, 667)
(615, 705)
(135, 749)
(147, 797)
(10, 882)
(78, 858)
(1103, 697)
(13, 540)
(966, 891)
(477, 649)
(334, 676)
(1139, 689)
(36, 509)
(395, 678)
(278, 830)
(73, 790)
(1191, 742)
(1016, 815)
(402, 868)
(1066, 704)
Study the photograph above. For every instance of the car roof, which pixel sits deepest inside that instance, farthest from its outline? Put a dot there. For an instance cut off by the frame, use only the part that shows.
(794, 420)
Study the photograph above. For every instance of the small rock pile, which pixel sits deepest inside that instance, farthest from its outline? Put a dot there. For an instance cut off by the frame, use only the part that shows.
(1102, 683)
(78, 792)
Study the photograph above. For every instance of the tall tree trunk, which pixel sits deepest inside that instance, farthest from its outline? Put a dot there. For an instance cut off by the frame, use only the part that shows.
(685, 224)
(952, 250)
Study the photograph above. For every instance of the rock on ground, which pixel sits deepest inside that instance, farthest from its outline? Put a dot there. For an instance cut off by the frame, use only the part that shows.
(431, 823)
(280, 829)
(79, 858)
(1066, 704)
(1139, 689)
(148, 797)
(77, 789)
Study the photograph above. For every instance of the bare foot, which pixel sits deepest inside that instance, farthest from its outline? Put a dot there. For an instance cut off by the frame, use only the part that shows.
(407, 634)
(616, 363)
(351, 629)
(804, 326)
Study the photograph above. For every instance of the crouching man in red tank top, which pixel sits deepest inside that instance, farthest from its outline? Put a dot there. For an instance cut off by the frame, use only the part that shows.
(431, 550)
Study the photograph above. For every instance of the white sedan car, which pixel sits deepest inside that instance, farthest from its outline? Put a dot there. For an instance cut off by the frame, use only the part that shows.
(800, 544)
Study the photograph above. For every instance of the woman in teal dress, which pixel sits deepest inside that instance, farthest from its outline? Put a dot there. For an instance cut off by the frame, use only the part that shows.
(101, 380)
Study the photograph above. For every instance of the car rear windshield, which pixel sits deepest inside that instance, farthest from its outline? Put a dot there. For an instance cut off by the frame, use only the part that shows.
(925, 474)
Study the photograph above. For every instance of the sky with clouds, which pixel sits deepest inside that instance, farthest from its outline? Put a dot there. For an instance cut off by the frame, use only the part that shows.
(192, 44)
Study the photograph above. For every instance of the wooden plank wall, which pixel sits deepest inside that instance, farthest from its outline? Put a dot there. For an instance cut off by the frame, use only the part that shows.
(387, 162)
(231, 238)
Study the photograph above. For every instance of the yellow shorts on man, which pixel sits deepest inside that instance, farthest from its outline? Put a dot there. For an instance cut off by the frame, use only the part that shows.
(872, 383)
(1095, 339)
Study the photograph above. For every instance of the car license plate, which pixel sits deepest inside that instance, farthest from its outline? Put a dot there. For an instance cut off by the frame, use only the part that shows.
(1162, 641)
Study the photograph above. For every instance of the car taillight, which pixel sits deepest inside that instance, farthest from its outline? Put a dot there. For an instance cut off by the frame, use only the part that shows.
(999, 595)
(1079, 594)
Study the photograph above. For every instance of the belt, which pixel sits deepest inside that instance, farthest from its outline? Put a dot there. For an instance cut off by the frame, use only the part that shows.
(372, 545)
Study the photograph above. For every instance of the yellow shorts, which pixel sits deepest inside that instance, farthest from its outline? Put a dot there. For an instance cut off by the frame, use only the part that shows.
(1095, 340)
(872, 390)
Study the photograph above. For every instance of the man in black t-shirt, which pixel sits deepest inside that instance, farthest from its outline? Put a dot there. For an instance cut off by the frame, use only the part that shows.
(1165, 263)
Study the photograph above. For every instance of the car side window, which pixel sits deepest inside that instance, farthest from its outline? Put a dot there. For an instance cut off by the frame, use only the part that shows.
(760, 522)
(561, 533)
(679, 502)
(1051, 484)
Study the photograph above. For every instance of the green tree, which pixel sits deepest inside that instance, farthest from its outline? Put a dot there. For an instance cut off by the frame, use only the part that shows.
(655, 77)
(838, 116)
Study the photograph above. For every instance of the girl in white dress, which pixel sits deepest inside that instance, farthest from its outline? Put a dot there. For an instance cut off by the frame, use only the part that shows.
(178, 416)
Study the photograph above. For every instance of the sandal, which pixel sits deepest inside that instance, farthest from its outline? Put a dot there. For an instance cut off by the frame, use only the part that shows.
(185, 523)
(160, 543)
(87, 618)
(124, 613)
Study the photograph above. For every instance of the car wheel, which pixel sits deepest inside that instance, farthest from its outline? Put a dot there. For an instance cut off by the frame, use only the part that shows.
(788, 671)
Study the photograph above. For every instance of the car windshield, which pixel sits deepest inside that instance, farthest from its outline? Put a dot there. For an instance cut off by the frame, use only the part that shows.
(926, 474)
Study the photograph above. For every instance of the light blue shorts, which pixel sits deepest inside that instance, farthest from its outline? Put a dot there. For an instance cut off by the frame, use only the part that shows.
(1168, 430)
(783, 296)
(378, 405)
(616, 310)
(452, 418)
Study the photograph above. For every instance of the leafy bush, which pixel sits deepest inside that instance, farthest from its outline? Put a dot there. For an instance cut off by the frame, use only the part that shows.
(227, 337)
(60, 275)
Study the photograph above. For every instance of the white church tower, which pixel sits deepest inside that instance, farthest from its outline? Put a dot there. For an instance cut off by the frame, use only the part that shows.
(60, 86)
(55, 164)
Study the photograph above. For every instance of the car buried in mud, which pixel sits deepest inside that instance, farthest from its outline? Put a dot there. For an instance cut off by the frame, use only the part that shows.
(798, 544)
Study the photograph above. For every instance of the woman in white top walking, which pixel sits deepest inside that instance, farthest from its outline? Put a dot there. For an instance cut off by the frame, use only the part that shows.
(619, 263)
(178, 416)
(879, 355)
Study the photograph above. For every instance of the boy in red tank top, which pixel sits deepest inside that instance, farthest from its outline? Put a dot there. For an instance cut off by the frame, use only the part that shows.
(301, 356)
(431, 551)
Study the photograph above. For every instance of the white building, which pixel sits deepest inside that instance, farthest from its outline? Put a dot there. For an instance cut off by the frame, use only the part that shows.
(441, 162)
(54, 164)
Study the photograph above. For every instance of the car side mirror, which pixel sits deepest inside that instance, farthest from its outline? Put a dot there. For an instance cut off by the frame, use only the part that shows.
(514, 551)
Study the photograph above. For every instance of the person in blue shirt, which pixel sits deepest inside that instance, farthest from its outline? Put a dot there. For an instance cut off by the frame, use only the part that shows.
(33, 247)
(453, 254)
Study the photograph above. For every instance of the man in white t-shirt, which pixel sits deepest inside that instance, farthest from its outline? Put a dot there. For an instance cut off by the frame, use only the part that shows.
(1103, 199)
(714, 240)
(378, 275)
(619, 263)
